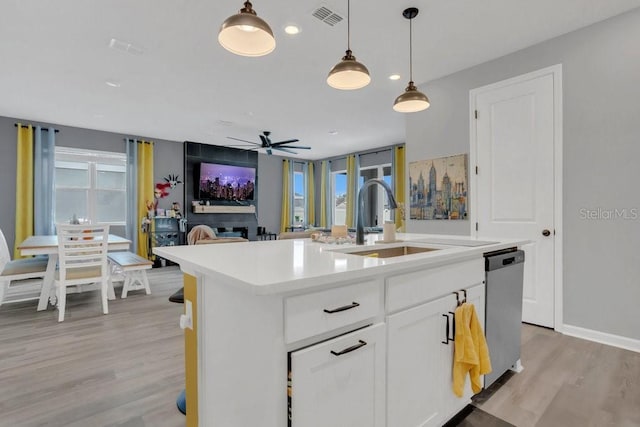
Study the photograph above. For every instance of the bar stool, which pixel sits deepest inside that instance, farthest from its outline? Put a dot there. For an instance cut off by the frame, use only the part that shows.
(181, 401)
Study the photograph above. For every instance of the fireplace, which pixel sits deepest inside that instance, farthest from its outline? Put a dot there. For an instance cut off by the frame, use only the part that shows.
(232, 231)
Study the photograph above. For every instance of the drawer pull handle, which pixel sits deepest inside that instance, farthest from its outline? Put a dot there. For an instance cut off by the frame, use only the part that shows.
(349, 349)
(343, 308)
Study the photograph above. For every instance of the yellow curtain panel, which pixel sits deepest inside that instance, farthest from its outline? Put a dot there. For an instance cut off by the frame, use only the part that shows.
(145, 192)
(323, 195)
(399, 185)
(352, 190)
(285, 220)
(24, 187)
(311, 195)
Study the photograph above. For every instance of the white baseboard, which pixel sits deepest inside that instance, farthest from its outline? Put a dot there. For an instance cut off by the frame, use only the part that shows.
(602, 337)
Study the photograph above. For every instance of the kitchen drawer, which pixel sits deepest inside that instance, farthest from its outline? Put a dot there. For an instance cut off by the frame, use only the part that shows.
(313, 314)
(409, 289)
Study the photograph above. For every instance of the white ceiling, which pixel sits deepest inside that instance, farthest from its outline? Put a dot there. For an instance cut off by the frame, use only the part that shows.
(185, 86)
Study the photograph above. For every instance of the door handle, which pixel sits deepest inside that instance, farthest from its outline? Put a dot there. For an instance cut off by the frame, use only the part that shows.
(449, 326)
(446, 332)
(546, 233)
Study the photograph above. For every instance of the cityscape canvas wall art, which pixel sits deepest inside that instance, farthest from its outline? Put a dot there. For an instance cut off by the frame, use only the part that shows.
(438, 188)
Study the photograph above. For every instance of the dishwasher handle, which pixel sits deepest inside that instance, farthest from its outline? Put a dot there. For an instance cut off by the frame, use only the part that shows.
(508, 261)
(503, 260)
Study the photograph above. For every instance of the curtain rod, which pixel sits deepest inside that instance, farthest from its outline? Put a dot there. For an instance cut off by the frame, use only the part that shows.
(366, 152)
(26, 126)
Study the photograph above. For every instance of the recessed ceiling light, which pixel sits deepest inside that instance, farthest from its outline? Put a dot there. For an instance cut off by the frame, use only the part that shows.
(111, 83)
(333, 132)
(292, 29)
(394, 77)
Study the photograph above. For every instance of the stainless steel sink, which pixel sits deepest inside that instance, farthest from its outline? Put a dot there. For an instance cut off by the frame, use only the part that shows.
(392, 252)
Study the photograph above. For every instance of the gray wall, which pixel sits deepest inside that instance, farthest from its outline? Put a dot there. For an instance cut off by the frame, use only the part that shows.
(167, 160)
(601, 79)
(167, 155)
(270, 190)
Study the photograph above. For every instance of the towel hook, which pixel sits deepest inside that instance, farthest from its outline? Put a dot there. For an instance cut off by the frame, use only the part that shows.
(464, 291)
(457, 298)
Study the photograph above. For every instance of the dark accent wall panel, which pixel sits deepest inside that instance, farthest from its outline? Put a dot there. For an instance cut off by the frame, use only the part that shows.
(196, 153)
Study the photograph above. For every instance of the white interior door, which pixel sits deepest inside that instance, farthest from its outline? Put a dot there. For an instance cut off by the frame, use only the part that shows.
(515, 180)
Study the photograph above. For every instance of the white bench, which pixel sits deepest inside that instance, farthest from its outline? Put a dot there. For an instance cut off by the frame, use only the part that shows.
(133, 267)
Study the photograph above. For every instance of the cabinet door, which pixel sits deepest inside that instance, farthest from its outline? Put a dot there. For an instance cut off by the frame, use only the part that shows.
(340, 382)
(452, 403)
(415, 379)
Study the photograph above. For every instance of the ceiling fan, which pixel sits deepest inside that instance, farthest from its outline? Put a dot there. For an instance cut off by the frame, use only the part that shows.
(269, 146)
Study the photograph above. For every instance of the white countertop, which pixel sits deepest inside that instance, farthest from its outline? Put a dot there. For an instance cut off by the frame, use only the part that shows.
(283, 266)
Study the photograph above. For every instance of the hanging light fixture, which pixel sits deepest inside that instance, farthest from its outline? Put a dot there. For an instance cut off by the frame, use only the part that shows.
(246, 34)
(348, 74)
(412, 99)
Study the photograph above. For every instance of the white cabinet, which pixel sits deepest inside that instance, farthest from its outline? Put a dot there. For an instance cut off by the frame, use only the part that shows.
(415, 359)
(451, 403)
(420, 362)
(340, 382)
(410, 289)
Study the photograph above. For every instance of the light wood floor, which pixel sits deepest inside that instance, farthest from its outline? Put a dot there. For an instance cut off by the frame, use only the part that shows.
(121, 369)
(567, 382)
(126, 369)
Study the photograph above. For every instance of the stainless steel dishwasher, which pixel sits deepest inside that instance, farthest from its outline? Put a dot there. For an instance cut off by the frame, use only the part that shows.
(503, 311)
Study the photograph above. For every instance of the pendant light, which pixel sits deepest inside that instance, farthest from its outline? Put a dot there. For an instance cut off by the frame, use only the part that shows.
(412, 99)
(348, 74)
(246, 34)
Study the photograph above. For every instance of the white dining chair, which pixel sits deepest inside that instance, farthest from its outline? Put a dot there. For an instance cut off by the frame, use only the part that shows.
(18, 271)
(82, 259)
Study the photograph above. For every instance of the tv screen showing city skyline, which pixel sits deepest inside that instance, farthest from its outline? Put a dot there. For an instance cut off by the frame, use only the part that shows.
(226, 182)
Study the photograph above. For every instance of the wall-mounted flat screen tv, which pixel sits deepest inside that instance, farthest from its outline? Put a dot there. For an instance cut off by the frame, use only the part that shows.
(226, 182)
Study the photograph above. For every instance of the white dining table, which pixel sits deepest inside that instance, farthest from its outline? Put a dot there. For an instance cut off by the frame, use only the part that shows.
(48, 245)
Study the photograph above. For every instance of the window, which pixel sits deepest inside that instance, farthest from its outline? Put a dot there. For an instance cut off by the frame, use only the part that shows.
(339, 197)
(91, 185)
(377, 208)
(299, 199)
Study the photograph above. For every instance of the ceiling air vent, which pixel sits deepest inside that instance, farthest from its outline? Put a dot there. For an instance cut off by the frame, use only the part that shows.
(125, 47)
(327, 16)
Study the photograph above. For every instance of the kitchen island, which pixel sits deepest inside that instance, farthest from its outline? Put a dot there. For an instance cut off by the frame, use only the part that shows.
(362, 335)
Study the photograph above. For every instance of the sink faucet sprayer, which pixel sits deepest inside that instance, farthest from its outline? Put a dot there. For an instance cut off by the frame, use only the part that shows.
(360, 219)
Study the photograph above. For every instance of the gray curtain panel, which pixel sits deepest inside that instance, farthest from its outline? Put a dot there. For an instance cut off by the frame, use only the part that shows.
(132, 192)
(44, 160)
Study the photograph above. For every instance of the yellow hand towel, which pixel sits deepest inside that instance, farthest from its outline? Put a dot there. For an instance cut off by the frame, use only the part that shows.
(470, 354)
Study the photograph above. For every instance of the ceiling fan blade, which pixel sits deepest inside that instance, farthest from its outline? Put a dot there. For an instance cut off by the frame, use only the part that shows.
(300, 147)
(265, 141)
(285, 150)
(273, 144)
(243, 140)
